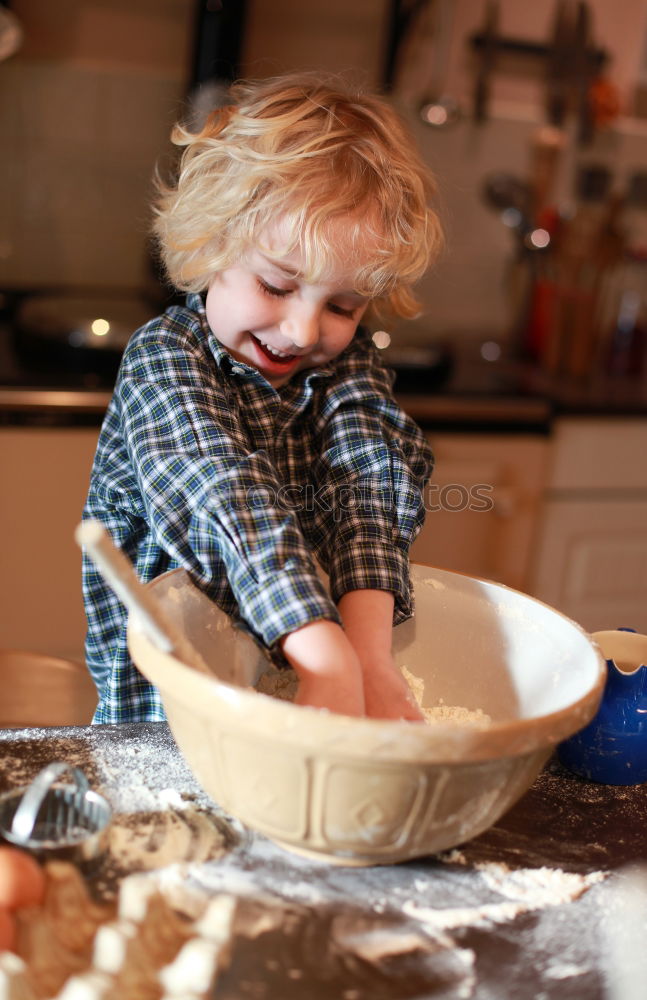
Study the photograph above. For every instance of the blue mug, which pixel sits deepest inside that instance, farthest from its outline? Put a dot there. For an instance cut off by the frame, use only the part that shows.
(612, 749)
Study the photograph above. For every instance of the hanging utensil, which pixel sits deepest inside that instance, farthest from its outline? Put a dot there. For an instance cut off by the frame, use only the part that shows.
(547, 145)
(486, 65)
(401, 18)
(511, 198)
(584, 70)
(438, 108)
(558, 63)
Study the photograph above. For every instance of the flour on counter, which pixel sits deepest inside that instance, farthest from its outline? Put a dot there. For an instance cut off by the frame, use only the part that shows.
(377, 944)
(537, 886)
(161, 816)
(145, 841)
(526, 890)
(453, 918)
(565, 970)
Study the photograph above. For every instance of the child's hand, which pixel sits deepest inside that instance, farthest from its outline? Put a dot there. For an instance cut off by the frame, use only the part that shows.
(327, 666)
(368, 618)
(387, 694)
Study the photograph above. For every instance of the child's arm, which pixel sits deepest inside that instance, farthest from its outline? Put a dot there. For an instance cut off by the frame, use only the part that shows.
(368, 623)
(373, 464)
(193, 487)
(351, 670)
(329, 671)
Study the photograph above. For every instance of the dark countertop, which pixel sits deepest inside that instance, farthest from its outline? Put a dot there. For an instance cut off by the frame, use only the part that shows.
(43, 407)
(456, 409)
(459, 389)
(533, 908)
(509, 394)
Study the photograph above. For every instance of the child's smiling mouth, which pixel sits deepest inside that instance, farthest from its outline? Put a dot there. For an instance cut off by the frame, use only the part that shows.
(276, 357)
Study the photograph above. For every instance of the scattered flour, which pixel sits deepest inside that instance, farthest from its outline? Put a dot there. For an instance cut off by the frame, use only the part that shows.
(537, 886)
(174, 837)
(282, 684)
(161, 816)
(541, 886)
(416, 686)
(456, 714)
(526, 889)
(515, 614)
(451, 918)
(565, 970)
(148, 841)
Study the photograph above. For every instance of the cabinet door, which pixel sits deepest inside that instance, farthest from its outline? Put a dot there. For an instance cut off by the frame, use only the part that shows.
(482, 505)
(591, 561)
(45, 477)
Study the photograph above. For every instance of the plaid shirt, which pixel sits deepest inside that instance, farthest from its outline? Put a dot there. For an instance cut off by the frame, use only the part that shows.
(202, 464)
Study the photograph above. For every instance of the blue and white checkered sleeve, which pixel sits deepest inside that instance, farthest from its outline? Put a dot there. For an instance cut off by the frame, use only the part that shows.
(374, 462)
(209, 500)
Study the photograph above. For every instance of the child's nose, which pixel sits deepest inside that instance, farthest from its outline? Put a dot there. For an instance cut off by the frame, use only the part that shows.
(301, 327)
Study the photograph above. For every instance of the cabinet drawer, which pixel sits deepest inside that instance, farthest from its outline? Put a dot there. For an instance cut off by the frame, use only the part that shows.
(604, 454)
(592, 562)
(482, 504)
(45, 473)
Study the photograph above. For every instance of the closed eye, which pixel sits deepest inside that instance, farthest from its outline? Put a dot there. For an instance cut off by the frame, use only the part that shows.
(277, 293)
(281, 293)
(340, 311)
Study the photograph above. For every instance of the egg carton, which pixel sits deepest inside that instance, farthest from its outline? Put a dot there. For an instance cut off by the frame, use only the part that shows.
(140, 947)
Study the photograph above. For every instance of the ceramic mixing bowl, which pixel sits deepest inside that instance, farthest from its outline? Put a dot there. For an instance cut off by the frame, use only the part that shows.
(364, 791)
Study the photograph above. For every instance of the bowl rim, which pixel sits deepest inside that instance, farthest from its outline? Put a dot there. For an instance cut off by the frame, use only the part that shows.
(437, 742)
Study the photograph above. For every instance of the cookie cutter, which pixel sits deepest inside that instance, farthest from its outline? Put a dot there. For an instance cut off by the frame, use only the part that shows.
(55, 820)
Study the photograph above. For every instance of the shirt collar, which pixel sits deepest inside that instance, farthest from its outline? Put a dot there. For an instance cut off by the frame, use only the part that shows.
(229, 364)
(195, 303)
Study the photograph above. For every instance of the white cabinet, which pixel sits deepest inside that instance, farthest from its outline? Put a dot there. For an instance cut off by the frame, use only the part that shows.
(591, 555)
(563, 518)
(45, 476)
(482, 505)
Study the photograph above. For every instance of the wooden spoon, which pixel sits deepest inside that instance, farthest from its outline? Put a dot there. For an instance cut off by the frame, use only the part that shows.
(150, 617)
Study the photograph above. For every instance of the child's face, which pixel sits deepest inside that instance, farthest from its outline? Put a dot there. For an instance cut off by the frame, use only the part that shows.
(265, 314)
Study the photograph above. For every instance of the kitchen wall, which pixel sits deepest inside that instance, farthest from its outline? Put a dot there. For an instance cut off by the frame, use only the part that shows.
(86, 106)
(469, 291)
(327, 34)
(438, 53)
(87, 103)
(471, 288)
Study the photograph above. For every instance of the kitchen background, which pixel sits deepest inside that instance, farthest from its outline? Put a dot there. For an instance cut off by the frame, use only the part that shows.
(527, 364)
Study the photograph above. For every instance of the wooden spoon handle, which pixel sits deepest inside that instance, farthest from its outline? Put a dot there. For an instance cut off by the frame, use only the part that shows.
(120, 574)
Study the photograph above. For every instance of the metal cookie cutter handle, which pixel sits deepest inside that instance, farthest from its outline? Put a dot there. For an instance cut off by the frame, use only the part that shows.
(26, 814)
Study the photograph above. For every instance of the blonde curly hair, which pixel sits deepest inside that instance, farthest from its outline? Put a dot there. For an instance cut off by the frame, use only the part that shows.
(306, 153)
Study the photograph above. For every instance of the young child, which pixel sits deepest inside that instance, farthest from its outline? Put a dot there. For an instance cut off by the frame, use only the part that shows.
(253, 431)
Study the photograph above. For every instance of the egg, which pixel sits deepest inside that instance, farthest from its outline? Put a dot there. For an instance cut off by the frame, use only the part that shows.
(22, 880)
(7, 930)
